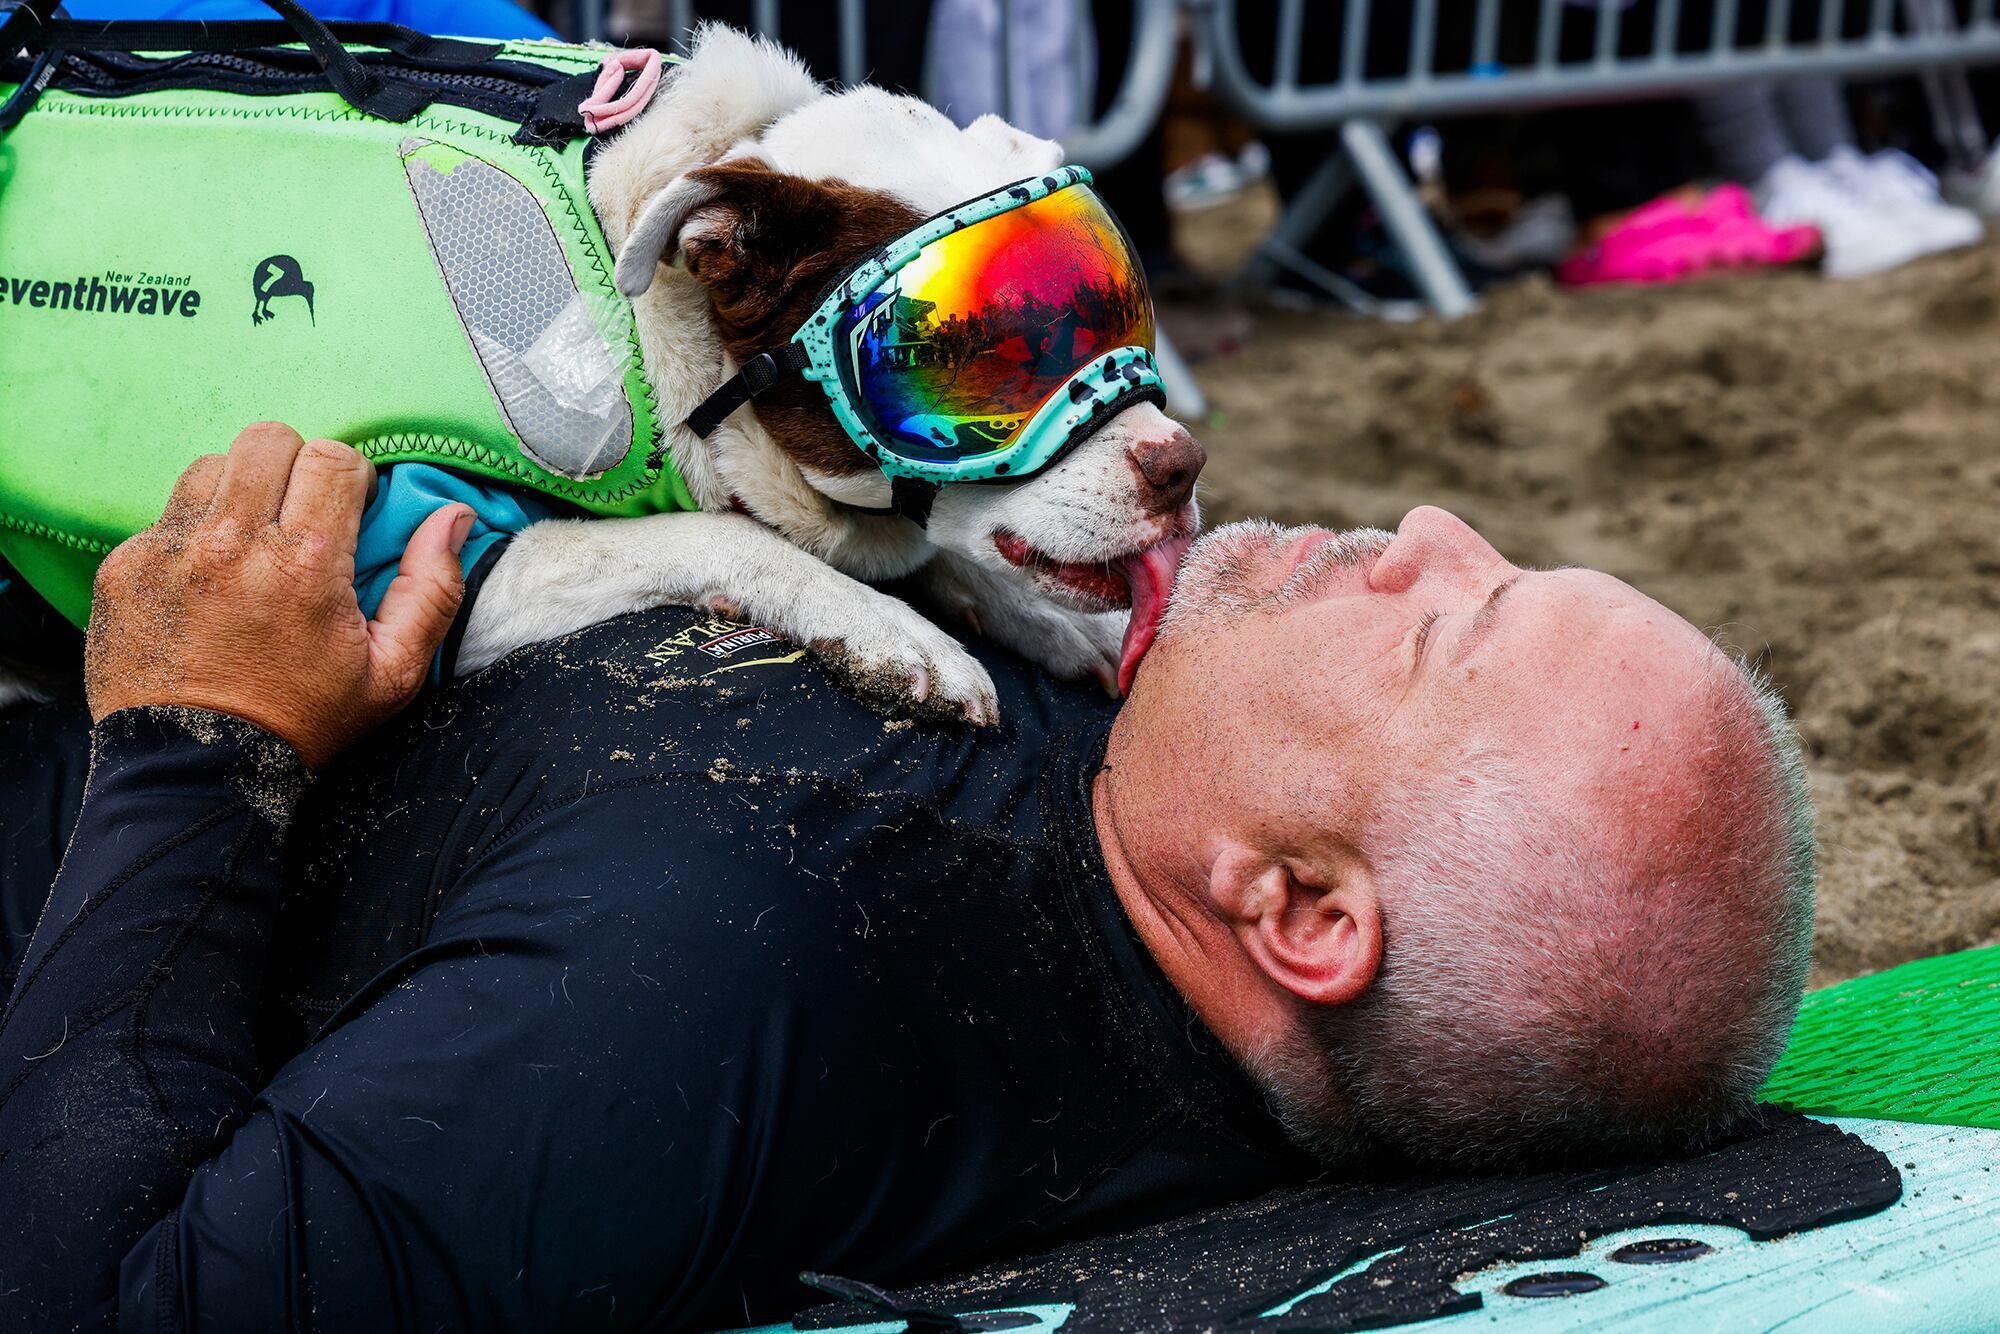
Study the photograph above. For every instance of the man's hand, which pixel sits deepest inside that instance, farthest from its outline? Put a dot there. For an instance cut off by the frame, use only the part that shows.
(241, 598)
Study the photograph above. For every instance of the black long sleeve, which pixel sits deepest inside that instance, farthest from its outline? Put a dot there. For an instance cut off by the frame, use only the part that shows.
(127, 1042)
(603, 993)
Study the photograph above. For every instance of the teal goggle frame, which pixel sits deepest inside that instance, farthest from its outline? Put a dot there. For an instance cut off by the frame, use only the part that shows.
(1109, 381)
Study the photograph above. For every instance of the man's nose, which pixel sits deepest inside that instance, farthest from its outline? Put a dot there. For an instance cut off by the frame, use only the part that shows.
(1432, 543)
(1167, 465)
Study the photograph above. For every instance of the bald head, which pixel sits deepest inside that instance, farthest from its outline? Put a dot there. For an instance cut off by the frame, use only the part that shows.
(1615, 972)
(1491, 861)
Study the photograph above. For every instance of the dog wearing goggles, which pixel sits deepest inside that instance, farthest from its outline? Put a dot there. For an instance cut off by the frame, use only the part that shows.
(900, 350)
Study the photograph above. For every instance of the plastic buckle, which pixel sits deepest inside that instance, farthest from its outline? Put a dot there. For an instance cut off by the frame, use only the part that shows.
(760, 373)
(23, 98)
(14, 17)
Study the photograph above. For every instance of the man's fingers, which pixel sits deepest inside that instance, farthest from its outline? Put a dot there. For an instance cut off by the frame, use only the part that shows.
(327, 493)
(255, 475)
(419, 606)
(195, 490)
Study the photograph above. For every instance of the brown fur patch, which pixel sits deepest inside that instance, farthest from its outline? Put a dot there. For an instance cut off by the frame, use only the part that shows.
(782, 240)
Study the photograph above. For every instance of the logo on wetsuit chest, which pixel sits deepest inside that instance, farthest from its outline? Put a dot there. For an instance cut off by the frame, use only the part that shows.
(725, 646)
(716, 637)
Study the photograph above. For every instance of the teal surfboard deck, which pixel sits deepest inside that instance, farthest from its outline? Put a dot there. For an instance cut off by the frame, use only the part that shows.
(1907, 1060)
(1924, 1266)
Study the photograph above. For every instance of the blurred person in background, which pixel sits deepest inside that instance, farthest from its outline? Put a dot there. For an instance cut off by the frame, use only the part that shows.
(1796, 184)
(1626, 171)
(1794, 145)
(1061, 74)
(894, 36)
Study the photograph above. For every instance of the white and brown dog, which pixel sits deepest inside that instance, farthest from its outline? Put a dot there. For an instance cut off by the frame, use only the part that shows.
(740, 192)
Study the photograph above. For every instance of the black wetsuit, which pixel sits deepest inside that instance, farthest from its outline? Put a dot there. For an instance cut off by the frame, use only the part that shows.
(606, 989)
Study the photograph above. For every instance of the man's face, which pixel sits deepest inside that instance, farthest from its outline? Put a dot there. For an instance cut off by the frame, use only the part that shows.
(1326, 670)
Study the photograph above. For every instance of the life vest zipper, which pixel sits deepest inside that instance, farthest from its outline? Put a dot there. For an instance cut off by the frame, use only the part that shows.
(506, 89)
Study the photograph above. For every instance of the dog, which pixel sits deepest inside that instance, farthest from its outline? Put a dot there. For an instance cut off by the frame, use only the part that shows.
(732, 201)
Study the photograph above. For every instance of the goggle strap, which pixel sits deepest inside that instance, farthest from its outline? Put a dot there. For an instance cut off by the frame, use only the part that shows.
(761, 372)
(912, 498)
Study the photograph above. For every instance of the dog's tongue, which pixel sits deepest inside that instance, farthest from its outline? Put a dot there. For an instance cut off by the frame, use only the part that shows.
(1150, 576)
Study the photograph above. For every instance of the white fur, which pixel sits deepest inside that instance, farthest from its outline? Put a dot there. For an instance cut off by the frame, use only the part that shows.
(740, 97)
(1085, 506)
(574, 573)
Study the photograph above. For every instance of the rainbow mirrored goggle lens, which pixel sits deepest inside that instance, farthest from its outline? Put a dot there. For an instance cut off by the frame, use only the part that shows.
(981, 344)
(951, 356)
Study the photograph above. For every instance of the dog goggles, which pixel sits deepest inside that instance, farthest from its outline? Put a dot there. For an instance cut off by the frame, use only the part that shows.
(979, 346)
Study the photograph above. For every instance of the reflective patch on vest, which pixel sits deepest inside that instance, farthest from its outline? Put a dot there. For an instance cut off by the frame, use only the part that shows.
(541, 342)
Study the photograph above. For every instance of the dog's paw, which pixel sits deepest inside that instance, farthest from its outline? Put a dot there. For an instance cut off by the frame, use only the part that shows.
(903, 665)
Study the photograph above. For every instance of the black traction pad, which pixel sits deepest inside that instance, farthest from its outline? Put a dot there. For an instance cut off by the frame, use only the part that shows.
(1222, 1269)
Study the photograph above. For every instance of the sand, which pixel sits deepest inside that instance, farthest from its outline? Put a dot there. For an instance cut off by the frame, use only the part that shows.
(1809, 469)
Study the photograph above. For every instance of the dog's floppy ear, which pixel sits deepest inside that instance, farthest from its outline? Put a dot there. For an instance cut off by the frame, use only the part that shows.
(761, 240)
(655, 237)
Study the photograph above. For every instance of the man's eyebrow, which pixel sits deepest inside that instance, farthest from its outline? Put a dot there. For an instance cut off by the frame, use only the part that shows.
(1482, 621)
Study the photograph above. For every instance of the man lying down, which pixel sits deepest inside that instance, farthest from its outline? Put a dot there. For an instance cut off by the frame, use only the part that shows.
(619, 983)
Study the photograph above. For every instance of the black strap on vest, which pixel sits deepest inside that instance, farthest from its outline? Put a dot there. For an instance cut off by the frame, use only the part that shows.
(555, 119)
(33, 26)
(761, 372)
(252, 34)
(22, 24)
(21, 27)
(362, 88)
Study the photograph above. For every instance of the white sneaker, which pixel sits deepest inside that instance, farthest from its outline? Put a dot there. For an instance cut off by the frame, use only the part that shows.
(1858, 240)
(1900, 185)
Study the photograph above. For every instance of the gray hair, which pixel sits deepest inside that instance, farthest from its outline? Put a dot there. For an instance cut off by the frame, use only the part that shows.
(1538, 995)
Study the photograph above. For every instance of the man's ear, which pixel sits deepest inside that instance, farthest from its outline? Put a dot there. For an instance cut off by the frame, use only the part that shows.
(1322, 943)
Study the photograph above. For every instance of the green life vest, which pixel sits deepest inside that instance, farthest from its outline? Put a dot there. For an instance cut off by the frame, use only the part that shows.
(191, 242)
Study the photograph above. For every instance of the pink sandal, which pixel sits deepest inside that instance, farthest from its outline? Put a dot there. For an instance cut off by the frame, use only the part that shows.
(1666, 241)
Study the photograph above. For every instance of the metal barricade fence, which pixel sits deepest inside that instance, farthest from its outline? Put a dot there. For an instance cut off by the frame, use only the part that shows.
(1618, 61)
(1099, 139)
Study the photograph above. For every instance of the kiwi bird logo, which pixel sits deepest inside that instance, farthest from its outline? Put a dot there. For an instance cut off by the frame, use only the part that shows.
(279, 276)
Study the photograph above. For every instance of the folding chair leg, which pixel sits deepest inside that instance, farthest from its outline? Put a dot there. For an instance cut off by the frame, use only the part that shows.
(1409, 223)
(1304, 215)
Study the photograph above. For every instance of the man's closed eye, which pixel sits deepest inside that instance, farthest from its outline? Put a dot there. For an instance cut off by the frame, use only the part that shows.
(1483, 621)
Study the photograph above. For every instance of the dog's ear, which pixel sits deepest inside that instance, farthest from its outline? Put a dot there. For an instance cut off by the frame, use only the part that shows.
(655, 237)
(762, 241)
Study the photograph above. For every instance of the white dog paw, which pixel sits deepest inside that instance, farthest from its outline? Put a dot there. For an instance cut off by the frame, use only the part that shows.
(905, 666)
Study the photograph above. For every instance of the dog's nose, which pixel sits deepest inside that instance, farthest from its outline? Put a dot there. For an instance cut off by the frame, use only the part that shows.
(1168, 466)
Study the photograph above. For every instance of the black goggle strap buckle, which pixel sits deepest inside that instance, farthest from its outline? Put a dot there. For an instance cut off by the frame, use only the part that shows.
(910, 497)
(763, 371)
